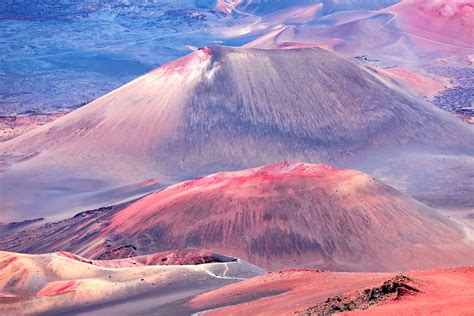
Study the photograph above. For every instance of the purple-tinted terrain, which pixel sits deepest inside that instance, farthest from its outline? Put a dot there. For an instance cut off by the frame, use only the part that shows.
(247, 157)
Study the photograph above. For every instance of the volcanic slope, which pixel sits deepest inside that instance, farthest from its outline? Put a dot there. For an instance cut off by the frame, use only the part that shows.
(62, 283)
(283, 215)
(308, 292)
(216, 109)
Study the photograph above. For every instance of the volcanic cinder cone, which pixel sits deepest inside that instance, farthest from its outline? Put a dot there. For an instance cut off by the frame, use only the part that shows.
(277, 216)
(216, 109)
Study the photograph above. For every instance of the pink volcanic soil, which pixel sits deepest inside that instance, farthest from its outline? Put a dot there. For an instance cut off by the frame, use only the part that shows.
(290, 291)
(422, 85)
(5, 262)
(58, 288)
(184, 65)
(13, 126)
(446, 291)
(291, 215)
(173, 257)
(143, 210)
(445, 21)
(293, 290)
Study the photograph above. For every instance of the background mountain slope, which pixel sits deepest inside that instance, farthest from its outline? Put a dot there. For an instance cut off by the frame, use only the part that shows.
(216, 109)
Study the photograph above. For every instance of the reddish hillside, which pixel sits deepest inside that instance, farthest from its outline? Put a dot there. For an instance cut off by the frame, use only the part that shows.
(283, 215)
(309, 292)
(293, 214)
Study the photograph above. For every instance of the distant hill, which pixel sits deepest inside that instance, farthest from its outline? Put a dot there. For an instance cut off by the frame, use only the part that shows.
(217, 109)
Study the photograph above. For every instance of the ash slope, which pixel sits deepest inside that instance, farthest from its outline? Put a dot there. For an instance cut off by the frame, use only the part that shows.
(216, 109)
(284, 215)
(61, 283)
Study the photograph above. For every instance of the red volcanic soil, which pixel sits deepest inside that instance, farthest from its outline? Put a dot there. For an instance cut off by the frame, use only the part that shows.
(309, 291)
(289, 291)
(289, 215)
(423, 85)
(449, 291)
(277, 216)
(239, 182)
(4, 263)
(57, 288)
(13, 126)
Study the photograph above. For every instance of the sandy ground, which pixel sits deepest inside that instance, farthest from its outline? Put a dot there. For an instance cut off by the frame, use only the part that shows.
(56, 284)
